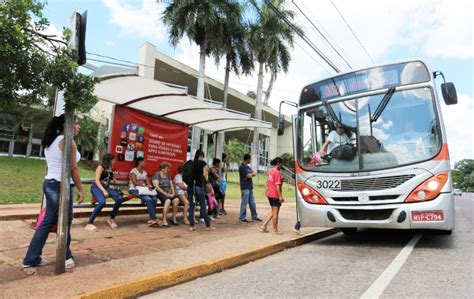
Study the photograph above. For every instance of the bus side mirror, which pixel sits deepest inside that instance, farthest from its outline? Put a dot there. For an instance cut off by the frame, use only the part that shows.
(449, 93)
(281, 124)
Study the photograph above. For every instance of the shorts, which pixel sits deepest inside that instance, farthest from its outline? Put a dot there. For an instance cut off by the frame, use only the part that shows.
(274, 202)
(163, 198)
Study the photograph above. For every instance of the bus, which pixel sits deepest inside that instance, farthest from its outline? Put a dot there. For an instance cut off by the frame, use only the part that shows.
(371, 150)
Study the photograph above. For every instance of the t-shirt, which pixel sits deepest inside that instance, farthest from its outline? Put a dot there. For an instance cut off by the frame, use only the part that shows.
(198, 176)
(163, 183)
(140, 177)
(245, 183)
(274, 179)
(178, 179)
(336, 140)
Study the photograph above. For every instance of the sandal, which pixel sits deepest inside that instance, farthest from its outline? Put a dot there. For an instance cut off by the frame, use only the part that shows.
(264, 230)
(174, 222)
(153, 224)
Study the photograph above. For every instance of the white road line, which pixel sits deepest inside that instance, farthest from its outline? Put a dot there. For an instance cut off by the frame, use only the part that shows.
(378, 286)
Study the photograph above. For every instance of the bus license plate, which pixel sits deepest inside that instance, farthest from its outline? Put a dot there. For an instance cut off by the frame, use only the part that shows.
(328, 184)
(427, 216)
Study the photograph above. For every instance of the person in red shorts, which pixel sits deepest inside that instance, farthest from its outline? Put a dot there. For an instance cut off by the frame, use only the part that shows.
(274, 194)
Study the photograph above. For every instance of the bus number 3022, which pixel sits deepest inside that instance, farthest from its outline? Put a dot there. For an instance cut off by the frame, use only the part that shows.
(328, 184)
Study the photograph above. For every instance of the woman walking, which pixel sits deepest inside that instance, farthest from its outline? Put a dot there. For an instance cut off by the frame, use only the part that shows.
(53, 142)
(274, 194)
(100, 189)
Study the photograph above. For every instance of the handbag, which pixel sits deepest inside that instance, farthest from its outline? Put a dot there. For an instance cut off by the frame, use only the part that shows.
(54, 228)
(145, 191)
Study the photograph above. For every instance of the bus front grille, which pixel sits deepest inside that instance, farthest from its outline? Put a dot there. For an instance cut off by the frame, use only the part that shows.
(369, 184)
(366, 214)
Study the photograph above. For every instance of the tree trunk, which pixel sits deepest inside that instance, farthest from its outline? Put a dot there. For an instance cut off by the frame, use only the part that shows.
(201, 75)
(221, 135)
(269, 89)
(64, 200)
(199, 95)
(257, 115)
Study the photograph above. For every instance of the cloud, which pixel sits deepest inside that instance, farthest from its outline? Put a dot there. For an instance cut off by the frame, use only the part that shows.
(459, 122)
(138, 21)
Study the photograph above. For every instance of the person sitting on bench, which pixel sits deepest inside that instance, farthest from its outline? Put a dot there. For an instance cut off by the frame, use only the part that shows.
(165, 190)
(100, 190)
(141, 186)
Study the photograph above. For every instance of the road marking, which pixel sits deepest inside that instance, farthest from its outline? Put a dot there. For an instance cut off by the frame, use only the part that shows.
(379, 285)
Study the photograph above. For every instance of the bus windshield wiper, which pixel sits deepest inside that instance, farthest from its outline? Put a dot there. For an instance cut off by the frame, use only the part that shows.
(331, 112)
(381, 107)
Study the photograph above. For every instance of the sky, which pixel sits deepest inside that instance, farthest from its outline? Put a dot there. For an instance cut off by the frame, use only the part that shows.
(438, 32)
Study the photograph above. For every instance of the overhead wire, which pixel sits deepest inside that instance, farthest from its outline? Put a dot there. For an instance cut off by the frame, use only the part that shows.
(321, 34)
(303, 37)
(352, 31)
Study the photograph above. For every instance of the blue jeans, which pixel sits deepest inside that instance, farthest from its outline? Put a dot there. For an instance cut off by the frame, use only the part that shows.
(199, 193)
(150, 202)
(101, 201)
(248, 198)
(51, 189)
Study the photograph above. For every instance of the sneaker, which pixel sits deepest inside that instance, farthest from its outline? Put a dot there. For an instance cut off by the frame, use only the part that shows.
(257, 219)
(91, 228)
(41, 264)
(243, 221)
(70, 263)
(211, 218)
(202, 220)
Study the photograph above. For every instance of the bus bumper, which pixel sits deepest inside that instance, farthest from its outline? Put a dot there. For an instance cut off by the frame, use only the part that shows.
(435, 214)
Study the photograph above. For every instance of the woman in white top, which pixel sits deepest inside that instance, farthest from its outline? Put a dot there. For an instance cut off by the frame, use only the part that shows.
(139, 178)
(53, 142)
(180, 188)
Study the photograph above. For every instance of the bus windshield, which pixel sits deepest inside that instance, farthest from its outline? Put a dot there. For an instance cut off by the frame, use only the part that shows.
(373, 133)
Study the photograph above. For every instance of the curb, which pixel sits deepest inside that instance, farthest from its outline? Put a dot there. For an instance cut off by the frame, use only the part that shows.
(173, 277)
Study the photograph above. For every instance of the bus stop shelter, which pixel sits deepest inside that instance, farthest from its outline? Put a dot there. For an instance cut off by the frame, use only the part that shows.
(174, 104)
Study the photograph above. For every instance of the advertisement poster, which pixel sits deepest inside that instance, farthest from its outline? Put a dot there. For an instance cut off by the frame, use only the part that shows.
(135, 134)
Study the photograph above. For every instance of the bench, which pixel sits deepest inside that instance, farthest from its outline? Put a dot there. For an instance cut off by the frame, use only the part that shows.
(116, 185)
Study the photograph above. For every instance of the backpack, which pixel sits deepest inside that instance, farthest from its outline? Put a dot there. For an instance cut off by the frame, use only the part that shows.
(188, 173)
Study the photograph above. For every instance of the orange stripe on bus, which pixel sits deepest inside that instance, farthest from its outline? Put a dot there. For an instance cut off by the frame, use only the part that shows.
(444, 154)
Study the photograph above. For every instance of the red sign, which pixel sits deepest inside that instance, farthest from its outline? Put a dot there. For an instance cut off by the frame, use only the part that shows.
(135, 134)
(427, 216)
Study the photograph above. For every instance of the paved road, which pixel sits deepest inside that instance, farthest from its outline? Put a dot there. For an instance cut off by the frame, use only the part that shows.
(389, 264)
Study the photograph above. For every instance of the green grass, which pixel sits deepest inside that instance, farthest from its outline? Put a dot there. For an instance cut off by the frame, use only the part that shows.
(259, 185)
(21, 181)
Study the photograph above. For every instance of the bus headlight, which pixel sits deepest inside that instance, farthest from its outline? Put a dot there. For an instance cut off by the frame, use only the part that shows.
(429, 189)
(310, 195)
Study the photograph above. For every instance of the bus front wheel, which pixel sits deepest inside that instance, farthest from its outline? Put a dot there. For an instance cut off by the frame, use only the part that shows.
(349, 231)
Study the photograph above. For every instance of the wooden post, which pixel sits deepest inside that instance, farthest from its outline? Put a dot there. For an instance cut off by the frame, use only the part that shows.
(64, 200)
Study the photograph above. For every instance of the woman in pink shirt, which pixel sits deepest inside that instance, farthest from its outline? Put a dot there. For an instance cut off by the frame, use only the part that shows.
(274, 194)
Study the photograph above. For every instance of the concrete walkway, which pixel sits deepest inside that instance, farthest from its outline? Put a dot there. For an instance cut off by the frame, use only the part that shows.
(132, 251)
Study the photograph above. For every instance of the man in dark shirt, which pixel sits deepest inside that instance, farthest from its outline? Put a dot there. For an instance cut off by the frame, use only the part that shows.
(246, 187)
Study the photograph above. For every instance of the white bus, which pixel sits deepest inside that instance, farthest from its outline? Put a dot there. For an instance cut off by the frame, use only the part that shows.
(371, 151)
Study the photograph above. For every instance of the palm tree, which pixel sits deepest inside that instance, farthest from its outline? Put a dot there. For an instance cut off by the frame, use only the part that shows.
(200, 21)
(235, 49)
(270, 38)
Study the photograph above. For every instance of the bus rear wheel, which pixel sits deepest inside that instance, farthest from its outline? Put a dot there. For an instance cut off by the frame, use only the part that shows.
(349, 231)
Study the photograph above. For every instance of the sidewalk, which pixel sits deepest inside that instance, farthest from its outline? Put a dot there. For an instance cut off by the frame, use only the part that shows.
(131, 252)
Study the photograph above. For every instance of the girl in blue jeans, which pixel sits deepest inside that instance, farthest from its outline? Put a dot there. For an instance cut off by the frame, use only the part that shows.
(100, 190)
(53, 142)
